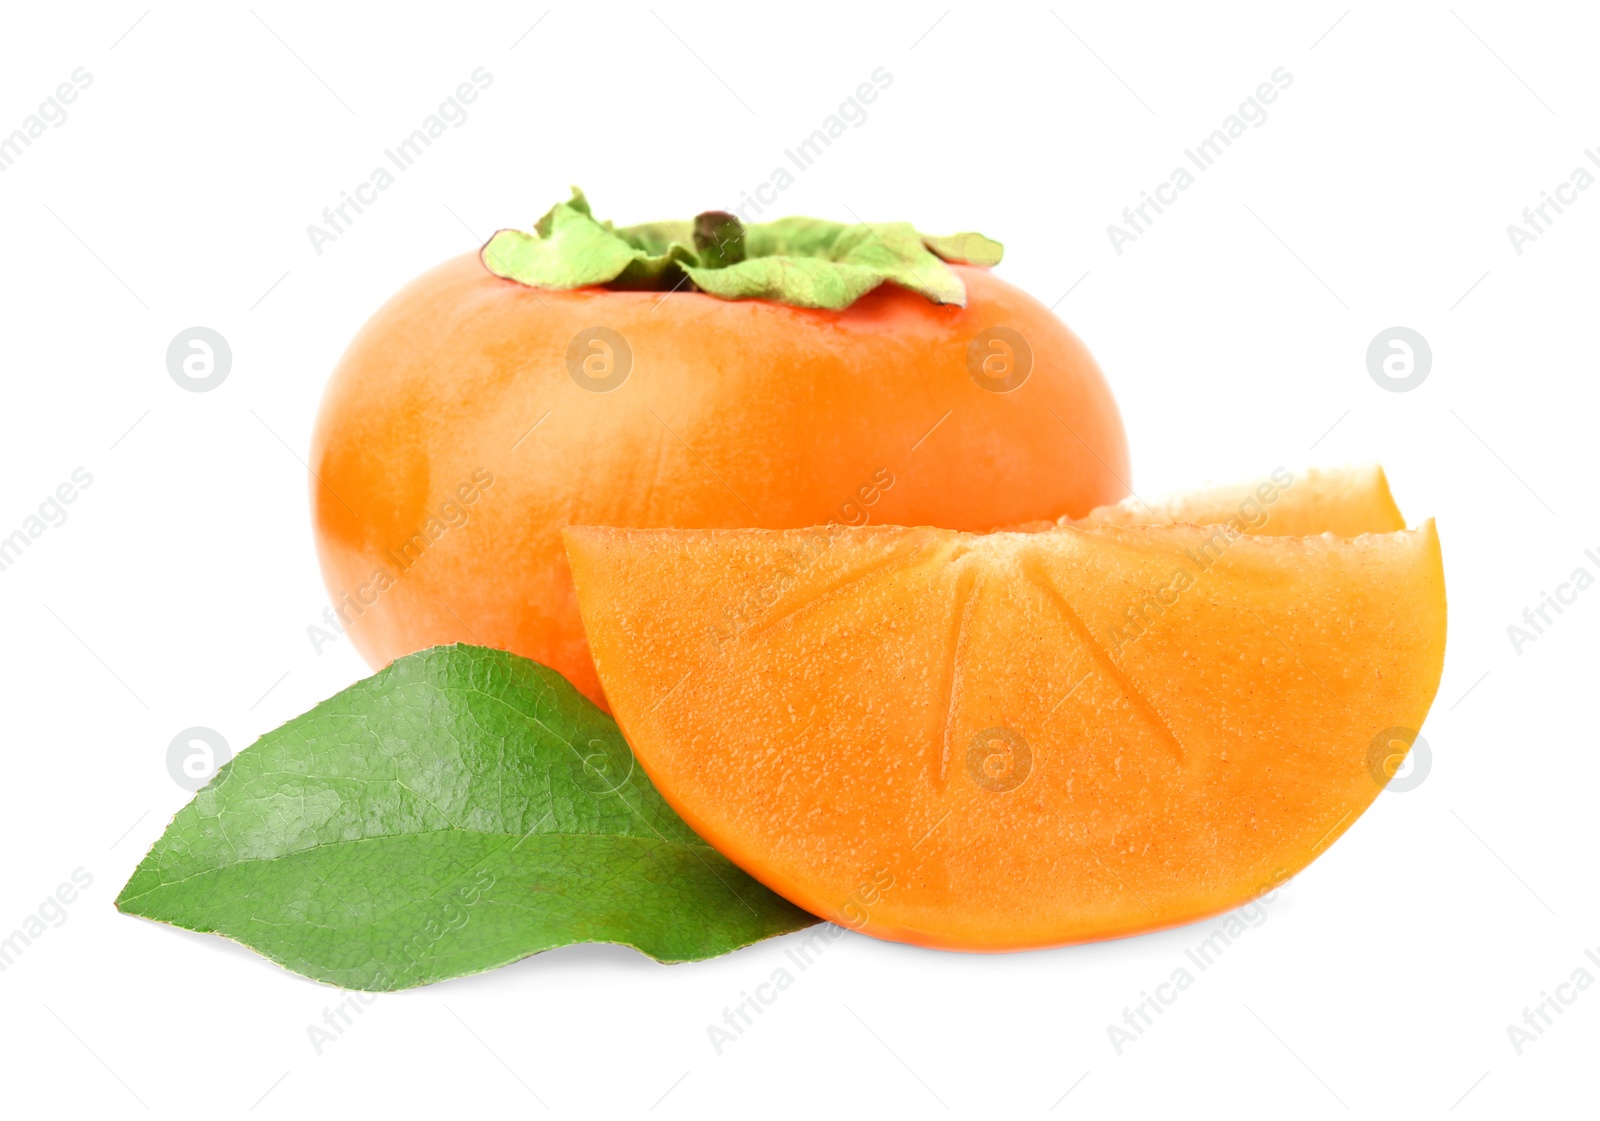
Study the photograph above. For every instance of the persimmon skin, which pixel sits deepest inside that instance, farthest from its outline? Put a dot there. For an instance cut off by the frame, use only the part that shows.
(734, 414)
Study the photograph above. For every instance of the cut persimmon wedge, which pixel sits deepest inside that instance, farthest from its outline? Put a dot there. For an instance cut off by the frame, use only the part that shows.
(1015, 740)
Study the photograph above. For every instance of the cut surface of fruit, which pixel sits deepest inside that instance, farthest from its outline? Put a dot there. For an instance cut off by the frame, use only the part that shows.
(1345, 501)
(1015, 740)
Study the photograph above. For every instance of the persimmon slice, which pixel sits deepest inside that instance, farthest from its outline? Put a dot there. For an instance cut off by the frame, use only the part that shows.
(1015, 740)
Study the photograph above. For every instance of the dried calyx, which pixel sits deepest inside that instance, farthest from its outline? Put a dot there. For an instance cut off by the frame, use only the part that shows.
(804, 262)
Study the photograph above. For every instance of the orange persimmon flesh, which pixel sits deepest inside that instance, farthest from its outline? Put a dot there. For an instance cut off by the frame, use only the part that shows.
(1014, 740)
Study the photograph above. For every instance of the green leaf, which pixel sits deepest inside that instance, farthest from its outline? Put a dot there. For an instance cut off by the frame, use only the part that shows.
(457, 811)
(804, 262)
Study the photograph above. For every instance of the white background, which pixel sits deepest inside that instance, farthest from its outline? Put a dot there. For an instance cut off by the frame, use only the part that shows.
(1234, 332)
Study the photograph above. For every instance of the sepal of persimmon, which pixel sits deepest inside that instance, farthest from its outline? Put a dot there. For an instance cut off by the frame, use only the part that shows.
(803, 262)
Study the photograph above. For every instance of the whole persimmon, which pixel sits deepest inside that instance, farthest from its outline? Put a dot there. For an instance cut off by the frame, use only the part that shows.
(682, 375)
